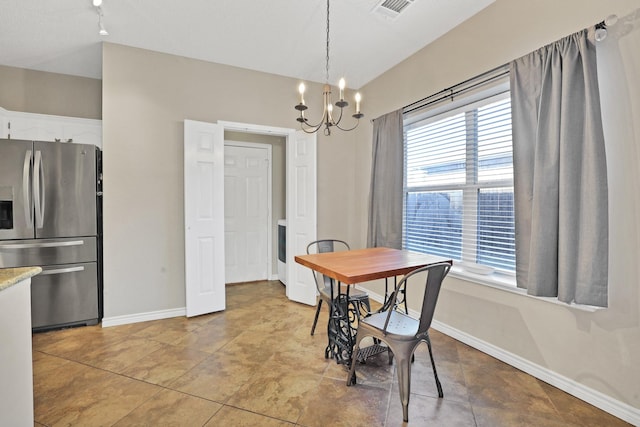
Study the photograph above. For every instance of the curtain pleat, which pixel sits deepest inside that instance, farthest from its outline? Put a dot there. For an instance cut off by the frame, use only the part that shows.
(560, 173)
(385, 198)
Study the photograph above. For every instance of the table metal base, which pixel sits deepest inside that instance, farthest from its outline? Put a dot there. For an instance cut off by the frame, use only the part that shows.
(342, 329)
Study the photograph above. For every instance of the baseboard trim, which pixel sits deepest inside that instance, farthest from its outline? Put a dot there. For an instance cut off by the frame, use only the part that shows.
(608, 404)
(143, 317)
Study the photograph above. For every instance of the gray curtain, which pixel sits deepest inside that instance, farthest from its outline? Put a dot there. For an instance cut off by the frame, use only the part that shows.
(385, 200)
(560, 173)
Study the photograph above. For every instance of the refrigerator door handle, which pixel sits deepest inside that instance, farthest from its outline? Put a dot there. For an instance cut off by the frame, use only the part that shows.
(38, 189)
(26, 172)
(41, 245)
(62, 270)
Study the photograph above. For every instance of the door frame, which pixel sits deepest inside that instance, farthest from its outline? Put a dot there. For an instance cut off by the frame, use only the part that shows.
(262, 146)
(298, 279)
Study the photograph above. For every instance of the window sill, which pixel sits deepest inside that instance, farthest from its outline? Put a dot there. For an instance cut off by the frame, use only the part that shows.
(507, 283)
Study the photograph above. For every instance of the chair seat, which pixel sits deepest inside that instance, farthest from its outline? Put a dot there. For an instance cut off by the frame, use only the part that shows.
(400, 327)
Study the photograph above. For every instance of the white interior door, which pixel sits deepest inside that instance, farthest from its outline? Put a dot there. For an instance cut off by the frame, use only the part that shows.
(204, 217)
(246, 207)
(301, 213)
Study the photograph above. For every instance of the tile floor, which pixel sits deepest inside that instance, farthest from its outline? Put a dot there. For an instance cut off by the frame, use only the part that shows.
(256, 365)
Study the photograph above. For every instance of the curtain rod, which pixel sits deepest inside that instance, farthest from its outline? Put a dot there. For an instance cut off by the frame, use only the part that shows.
(457, 89)
(476, 81)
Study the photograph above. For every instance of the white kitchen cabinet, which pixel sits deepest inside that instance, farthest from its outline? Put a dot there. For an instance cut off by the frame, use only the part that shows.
(16, 372)
(44, 127)
(33, 127)
(4, 129)
(82, 132)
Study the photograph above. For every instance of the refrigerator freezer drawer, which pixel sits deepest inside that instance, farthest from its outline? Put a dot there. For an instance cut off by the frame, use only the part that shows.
(64, 295)
(42, 252)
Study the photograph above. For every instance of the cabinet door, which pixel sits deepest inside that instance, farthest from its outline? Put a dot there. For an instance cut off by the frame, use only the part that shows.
(34, 128)
(4, 128)
(44, 127)
(83, 133)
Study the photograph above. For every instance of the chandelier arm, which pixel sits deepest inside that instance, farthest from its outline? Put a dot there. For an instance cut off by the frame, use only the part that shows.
(311, 129)
(316, 126)
(336, 122)
(349, 129)
(308, 126)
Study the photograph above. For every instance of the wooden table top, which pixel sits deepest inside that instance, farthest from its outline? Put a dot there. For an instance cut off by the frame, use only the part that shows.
(362, 265)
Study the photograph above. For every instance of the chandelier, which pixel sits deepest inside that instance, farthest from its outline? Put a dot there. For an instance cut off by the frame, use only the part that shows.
(328, 119)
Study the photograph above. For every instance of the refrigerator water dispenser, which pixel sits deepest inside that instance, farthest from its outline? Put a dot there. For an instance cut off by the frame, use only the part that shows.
(6, 208)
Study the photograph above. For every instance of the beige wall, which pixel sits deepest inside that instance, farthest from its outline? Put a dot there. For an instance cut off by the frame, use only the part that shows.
(600, 350)
(146, 97)
(49, 93)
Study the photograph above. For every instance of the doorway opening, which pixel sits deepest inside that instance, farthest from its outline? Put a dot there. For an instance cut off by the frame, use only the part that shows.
(205, 212)
(255, 199)
(300, 212)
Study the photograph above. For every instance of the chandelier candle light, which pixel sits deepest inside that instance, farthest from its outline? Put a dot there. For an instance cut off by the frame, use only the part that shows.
(327, 115)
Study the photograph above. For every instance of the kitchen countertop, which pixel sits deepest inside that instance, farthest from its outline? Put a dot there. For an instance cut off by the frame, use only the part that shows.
(11, 276)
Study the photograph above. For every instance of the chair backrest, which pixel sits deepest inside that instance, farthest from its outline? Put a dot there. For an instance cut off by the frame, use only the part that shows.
(435, 275)
(327, 245)
(322, 246)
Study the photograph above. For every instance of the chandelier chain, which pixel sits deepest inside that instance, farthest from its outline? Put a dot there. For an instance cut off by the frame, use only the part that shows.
(327, 59)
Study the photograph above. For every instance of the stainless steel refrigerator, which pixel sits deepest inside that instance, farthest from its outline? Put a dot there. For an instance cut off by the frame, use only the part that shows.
(50, 216)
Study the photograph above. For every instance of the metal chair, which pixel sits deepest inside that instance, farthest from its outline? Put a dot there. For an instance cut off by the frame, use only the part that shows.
(401, 333)
(357, 298)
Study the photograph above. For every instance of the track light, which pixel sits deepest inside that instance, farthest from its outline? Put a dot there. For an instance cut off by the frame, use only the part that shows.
(101, 29)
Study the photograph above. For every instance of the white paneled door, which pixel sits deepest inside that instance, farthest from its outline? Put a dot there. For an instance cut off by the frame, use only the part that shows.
(301, 213)
(204, 217)
(246, 210)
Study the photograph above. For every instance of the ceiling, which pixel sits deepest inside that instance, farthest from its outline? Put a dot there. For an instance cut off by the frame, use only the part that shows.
(285, 37)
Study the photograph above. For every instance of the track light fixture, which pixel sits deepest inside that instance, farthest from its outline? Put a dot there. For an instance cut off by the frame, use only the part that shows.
(101, 29)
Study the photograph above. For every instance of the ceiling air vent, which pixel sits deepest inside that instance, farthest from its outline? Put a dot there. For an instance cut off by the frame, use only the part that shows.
(391, 9)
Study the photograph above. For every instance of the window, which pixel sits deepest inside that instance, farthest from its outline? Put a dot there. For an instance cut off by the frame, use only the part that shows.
(458, 190)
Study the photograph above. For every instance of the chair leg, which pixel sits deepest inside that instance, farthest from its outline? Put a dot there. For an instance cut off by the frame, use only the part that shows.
(433, 365)
(315, 319)
(368, 305)
(351, 377)
(404, 382)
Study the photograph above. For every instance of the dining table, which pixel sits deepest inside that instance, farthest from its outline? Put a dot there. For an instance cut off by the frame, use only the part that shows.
(353, 267)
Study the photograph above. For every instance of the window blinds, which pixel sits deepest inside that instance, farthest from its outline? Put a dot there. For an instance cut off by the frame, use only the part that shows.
(459, 184)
